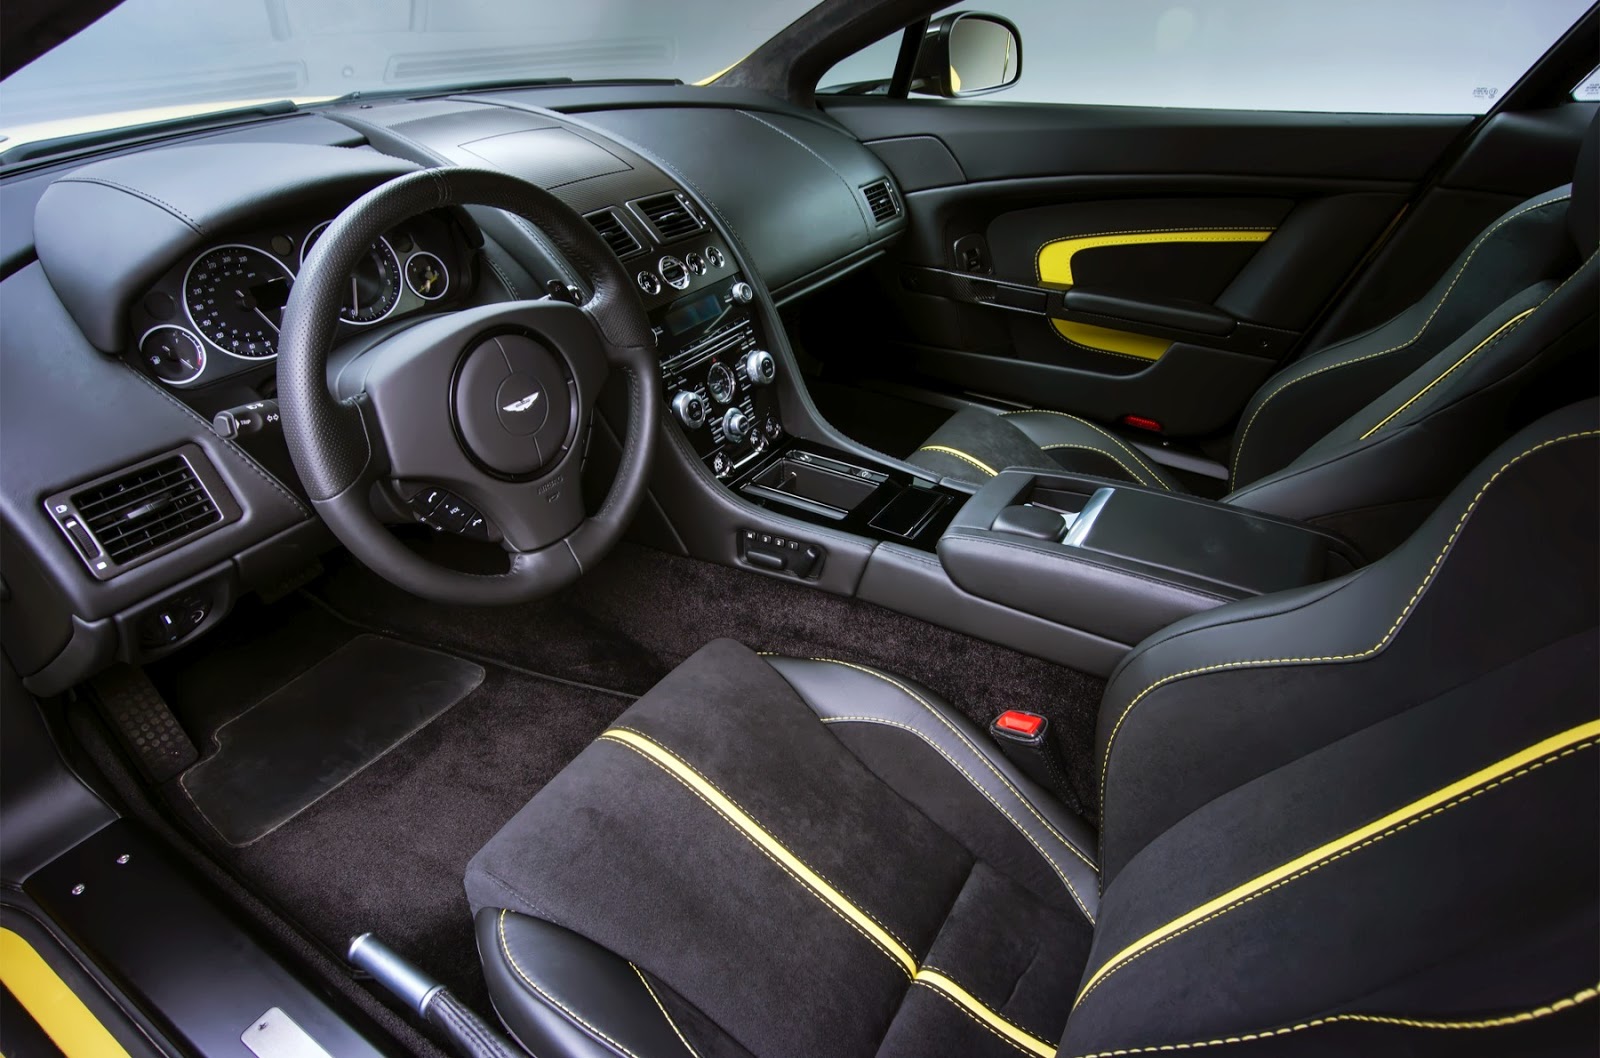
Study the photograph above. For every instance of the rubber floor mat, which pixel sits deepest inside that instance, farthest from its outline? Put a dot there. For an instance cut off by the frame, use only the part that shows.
(320, 729)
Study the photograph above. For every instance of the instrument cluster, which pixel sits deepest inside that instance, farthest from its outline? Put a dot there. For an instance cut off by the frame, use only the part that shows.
(219, 311)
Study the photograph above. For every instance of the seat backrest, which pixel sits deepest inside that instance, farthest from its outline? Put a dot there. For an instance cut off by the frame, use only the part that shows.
(1362, 817)
(1499, 276)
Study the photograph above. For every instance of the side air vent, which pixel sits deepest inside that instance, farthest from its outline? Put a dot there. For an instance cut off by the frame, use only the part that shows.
(882, 200)
(615, 233)
(143, 511)
(670, 215)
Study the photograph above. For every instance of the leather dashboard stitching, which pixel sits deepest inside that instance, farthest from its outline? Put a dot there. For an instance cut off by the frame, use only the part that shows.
(1384, 641)
(144, 196)
(1238, 452)
(1119, 442)
(1520, 1017)
(659, 1006)
(245, 457)
(807, 148)
(505, 948)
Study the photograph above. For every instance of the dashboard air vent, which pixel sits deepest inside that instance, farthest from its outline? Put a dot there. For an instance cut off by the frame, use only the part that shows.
(881, 199)
(615, 233)
(670, 216)
(146, 510)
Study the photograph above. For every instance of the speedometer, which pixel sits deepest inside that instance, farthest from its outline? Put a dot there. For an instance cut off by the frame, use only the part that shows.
(235, 297)
(370, 292)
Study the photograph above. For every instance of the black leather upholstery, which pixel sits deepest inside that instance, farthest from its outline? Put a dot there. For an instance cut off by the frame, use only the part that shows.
(1353, 818)
(1366, 435)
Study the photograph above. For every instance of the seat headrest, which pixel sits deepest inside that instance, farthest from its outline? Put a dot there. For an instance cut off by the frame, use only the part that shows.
(1583, 212)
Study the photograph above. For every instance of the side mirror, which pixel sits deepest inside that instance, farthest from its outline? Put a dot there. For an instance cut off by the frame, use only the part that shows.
(968, 54)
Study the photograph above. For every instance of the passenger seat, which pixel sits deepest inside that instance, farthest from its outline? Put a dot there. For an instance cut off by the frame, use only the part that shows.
(1365, 436)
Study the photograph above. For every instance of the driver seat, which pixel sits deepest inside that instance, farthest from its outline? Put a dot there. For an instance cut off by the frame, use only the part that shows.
(1357, 817)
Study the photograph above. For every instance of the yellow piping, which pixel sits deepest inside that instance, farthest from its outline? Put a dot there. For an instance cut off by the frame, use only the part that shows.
(57, 1009)
(792, 865)
(1512, 322)
(1481, 781)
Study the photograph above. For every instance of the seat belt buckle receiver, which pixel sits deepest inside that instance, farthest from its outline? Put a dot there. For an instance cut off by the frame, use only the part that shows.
(1014, 725)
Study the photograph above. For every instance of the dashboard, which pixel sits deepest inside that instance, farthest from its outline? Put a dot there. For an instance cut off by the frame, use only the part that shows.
(141, 308)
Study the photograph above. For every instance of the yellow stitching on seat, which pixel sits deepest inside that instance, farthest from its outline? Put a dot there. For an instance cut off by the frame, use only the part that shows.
(1480, 347)
(675, 1031)
(980, 788)
(1125, 446)
(1238, 452)
(759, 836)
(1402, 818)
(1105, 763)
(1091, 448)
(1503, 328)
(936, 980)
(947, 450)
(1521, 1017)
(505, 948)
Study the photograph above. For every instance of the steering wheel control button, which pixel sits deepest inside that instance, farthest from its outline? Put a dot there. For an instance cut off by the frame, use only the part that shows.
(513, 405)
(673, 273)
(451, 516)
(426, 500)
(714, 257)
(694, 263)
(690, 410)
(477, 529)
(649, 282)
(760, 368)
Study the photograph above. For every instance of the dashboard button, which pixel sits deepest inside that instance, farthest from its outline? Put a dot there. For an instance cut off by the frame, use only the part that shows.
(650, 283)
(743, 292)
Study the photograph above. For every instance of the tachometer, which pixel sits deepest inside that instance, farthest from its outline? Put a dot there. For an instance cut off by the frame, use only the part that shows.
(373, 289)
(235, 297)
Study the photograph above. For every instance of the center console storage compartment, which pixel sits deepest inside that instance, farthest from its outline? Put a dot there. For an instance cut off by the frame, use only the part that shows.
(1121, 562)
(822, 486)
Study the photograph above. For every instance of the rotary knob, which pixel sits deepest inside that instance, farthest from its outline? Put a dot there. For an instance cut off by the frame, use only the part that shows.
(743, 292)
(760, 368)
(690, 410)
(735, 425)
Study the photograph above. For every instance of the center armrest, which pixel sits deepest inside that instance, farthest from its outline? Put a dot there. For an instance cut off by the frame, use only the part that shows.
(1122, 561)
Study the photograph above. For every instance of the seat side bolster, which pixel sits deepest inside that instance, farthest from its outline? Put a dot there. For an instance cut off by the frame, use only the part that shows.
(563, 996)
(841, 692)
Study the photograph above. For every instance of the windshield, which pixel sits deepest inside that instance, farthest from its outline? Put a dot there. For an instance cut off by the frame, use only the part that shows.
(150, 60)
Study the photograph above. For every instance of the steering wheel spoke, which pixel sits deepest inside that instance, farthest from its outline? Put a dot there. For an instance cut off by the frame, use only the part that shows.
(491, 404)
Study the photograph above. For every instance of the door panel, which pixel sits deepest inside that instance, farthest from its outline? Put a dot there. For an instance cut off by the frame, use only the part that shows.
(1175, 257)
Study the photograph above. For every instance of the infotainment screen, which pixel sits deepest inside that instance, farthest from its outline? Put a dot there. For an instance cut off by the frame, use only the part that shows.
(693, 313)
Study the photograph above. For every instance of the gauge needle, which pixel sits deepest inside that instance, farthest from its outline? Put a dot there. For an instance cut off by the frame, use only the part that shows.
(264, 316)
(355, 296)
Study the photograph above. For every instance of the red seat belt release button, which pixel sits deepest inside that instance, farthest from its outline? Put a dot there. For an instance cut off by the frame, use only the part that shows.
(1025, 724)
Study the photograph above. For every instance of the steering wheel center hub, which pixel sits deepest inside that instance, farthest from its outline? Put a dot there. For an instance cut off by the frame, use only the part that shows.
(513, 405)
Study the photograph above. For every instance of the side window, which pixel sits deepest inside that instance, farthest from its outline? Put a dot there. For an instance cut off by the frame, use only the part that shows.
(1357, 56)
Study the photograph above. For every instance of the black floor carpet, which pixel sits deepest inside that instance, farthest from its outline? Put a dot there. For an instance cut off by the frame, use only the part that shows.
(386, 851)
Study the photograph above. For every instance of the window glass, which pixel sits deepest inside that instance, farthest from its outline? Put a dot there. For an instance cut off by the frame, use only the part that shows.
(1372, 56)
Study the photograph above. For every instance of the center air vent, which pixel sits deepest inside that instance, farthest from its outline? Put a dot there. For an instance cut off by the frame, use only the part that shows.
(146, 510)
(615, 233)
(670, 215)
(881, 199)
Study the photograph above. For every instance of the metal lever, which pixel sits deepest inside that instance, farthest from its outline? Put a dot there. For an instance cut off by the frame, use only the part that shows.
(469, 1034)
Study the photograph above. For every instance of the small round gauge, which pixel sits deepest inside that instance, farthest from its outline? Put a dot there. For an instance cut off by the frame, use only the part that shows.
(427, 276)
(172, 354)
(720, 383)
(235, 297)
(374, 286)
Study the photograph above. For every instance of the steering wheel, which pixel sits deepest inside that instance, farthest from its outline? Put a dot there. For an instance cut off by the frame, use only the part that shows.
(492, 404)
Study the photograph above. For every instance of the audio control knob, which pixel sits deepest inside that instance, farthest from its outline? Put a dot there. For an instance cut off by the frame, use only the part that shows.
(735, 425)
(760, 368)
(690, 410)
(743, 292)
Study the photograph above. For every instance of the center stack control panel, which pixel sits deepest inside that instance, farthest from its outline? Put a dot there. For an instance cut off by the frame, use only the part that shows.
(718, 375)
